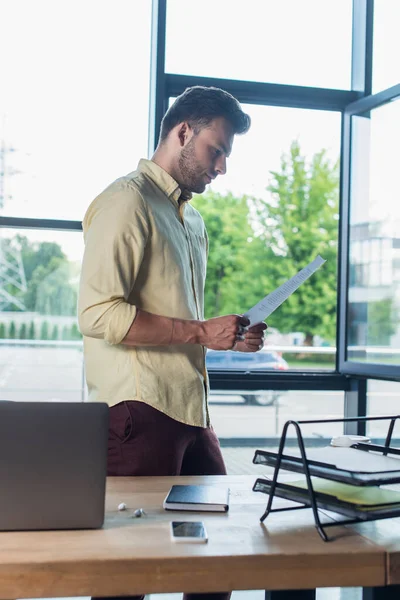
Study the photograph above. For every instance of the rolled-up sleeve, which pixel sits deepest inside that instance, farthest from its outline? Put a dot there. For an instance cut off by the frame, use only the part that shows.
(116, 231)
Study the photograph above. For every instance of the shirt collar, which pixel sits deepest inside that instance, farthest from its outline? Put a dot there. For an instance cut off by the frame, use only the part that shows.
(164, 181)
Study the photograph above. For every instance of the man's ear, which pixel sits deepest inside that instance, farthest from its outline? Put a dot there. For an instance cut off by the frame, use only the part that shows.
(185, 132)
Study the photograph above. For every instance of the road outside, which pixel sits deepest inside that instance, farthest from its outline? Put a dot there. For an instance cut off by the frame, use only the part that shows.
(56, 374)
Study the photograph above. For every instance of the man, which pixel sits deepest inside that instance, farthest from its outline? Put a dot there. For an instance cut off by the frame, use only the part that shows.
(141, 302)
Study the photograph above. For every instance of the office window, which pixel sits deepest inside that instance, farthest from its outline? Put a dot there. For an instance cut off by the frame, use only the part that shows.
(386, 68)
(383, 399)
(40, 344)
(73, 102)
(241, 419)
(300, 43)
(374, 334)
(271, 214)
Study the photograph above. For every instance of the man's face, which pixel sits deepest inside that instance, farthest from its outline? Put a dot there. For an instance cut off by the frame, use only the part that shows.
(204, 155)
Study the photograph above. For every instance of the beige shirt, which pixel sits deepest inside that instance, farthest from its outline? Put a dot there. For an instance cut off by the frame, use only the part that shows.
(144, 248)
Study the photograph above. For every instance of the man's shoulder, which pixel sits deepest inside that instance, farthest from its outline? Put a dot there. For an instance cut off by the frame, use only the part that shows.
(120, 201)
(123, 192)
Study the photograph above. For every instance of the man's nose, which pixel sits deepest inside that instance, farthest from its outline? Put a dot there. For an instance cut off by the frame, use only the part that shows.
(220, 166)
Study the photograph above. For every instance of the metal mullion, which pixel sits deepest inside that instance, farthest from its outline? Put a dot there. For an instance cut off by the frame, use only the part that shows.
(272, 94)
(238, 380)
(362, 46)
(158, 102)
(368, 103)
(55, 224)
(343, 254)
(355, 405)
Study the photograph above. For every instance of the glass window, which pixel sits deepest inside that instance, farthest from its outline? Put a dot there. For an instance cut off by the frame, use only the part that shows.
(383, 399)
(260, 416)
(300, 43)
(73, 103)
(374, 334)
(271, 214)
(40, 344)
(386, 67)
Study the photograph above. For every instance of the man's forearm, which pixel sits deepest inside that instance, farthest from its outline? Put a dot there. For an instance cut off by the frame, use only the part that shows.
(148, 329)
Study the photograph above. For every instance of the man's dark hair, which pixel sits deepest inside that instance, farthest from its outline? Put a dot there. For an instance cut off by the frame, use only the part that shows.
(199, 105)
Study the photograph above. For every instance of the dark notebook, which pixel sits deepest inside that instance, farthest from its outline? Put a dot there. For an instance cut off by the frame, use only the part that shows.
(198, 498)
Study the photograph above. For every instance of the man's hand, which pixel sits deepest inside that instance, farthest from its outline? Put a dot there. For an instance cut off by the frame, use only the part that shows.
(222, 333)
(253, 339)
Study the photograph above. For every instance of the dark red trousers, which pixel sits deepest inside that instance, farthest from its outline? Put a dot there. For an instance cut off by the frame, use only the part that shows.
(144, 441)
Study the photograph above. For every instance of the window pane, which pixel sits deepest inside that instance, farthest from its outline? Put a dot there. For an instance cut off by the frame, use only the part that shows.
(374, 297)
(259, 418)
(262, 232)
(299, 43)
(74, 101)
(40, 345)
(383, 399)
(386, 66)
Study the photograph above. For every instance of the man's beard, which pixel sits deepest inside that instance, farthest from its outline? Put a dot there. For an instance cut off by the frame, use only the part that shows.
(192, 178)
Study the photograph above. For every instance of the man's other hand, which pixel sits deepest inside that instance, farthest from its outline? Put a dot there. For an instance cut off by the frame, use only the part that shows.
(224, 333)
(253, 339)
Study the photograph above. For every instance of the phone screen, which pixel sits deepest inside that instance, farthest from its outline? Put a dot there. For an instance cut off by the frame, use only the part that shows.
(189, 530)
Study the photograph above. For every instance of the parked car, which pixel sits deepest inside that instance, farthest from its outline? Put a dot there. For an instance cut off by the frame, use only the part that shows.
(264, 360)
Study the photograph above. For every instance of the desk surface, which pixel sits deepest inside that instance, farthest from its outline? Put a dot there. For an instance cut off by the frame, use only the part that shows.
(135, 555)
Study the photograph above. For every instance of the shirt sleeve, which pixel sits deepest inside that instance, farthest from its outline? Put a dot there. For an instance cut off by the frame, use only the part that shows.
(116, 233)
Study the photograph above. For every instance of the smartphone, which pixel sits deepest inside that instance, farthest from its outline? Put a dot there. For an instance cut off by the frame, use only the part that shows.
(188, 531)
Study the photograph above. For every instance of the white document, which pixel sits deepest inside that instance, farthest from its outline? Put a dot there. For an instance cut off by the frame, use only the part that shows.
(267, 305)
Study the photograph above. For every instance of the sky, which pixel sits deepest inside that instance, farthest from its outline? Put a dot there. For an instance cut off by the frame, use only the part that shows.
(74, 89)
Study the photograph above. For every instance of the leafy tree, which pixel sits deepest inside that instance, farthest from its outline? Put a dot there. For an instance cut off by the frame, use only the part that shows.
(54, 335)
(2, 331)
(299, 221)
(56, 294)
(239, 264)
(31, 333)
(65, 335)
(75, 334)
(44, 330)
(12, 332)
(382, 321)
(35, 254)
(51, 280)
(22, 332)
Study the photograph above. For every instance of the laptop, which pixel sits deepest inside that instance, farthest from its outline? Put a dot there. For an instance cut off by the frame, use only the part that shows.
(53, 465)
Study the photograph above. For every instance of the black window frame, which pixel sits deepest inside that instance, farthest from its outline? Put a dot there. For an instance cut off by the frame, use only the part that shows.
(350, 378)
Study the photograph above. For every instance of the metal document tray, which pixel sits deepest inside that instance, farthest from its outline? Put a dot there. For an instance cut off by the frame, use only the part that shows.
(347, 465)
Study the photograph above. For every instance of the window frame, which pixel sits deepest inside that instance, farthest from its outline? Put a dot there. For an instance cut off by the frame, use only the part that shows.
(350, 378)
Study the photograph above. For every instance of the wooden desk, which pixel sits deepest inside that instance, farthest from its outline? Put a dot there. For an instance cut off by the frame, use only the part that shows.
(135, 555)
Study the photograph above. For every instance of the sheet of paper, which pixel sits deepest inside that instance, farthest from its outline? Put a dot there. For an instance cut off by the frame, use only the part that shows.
(267, 305)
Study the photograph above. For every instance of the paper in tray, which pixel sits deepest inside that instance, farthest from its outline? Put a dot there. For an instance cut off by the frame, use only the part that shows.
(298, 492)
(347, 465)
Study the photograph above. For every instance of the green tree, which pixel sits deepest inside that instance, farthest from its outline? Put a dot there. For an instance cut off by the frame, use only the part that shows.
(2, 331)
(299, 221)
(239, 263)
(34, 255)
(54, 335)
(12, 332)
(57, 290)
(382, 321)
(31, 333)
(65, 333)
(75, 334)
(22, 332)
(51, 280)
(44, 330)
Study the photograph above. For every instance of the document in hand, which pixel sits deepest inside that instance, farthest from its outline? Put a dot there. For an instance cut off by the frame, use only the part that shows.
(197, 498)
(260, 311)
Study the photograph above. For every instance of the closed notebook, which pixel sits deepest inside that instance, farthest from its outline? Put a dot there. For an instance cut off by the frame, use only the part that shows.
(197, 498)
